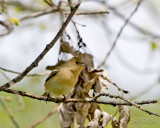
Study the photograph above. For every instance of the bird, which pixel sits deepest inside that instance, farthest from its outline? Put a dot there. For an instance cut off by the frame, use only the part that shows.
(63, 78)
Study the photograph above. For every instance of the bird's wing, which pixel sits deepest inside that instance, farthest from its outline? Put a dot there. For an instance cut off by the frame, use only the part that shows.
(53, 73)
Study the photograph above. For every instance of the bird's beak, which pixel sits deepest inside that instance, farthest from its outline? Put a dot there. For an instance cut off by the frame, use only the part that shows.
(83, 64)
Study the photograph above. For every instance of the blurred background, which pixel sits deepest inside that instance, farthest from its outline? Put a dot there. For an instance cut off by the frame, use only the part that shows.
(133, 64)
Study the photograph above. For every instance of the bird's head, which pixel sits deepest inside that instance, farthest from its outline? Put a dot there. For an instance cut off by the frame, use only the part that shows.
(76, 64)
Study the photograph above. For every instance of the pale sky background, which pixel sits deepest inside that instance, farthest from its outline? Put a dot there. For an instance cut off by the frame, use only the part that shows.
(19, 49)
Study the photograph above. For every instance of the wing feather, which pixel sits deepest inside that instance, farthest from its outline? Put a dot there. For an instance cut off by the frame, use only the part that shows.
(53, 73)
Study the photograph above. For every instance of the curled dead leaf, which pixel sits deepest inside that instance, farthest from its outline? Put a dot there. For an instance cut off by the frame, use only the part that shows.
(100, 120)
(124, 117)
(66, 48)
(55, 66)
(65, 114)
(106, 118)
(94, 123)
(81, 113)
(115, 123)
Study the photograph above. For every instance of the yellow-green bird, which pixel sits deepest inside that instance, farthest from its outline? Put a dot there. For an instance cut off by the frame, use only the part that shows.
(62, 79)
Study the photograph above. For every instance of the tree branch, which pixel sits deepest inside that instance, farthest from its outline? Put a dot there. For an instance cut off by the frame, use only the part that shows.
(126, 100)
(48, 47)
(91, 100)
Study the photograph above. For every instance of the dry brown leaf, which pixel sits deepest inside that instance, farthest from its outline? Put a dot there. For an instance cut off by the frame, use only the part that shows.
(92, 109)
(65, 115)
(124, 117)
(100, 120)
(115, 124)
(102, 83)
(65, 47)
(88, 85)
(106, 118)
(55, 66)
(81, 112)
(94, 123)
(88, 59)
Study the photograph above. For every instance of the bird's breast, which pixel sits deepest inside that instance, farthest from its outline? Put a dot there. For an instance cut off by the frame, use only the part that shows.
(61, 85)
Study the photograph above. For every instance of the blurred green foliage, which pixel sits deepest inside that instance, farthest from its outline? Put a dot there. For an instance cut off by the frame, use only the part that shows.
(15, 21)
(153, 45)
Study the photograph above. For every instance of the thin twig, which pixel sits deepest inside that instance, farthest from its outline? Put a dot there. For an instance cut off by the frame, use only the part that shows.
(55, 9)
(92, 13)
(44, 52)
(126, 100)
(92, 100)
(67, 34)
(132, 67)
(35, 74)
(57, 100)
(40, 13)
(5, 76)
(81, 43)
(88, 13)
(9, 27)
(119, 33)
(54, 110)
(9, 113)
(145, 91)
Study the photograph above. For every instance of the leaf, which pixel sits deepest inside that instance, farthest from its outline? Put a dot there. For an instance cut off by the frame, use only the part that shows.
(106, 119)
(65, 47)
(81, 113)
(55, 66)
(115, 124)
(124, 117)
(100, 120)
(94, 123)
(102, 83)
(88, 59)
(15, 21)
(65, 115)
(153, 45)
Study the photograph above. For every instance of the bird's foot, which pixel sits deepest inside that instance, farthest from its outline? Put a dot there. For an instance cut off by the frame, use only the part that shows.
(48, 97)
(64, 97)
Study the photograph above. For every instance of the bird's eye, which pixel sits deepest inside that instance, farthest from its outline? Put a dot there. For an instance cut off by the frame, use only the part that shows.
(77, 62)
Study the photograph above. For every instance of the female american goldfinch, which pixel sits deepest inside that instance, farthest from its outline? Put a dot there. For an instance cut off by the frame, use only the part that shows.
(62, 79)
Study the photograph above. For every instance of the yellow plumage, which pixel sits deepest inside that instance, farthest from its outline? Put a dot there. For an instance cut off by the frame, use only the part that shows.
(62, 79)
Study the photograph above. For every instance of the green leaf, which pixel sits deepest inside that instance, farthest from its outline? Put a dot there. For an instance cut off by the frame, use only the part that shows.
(15, 21)
(153, 45)
(43, 26)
